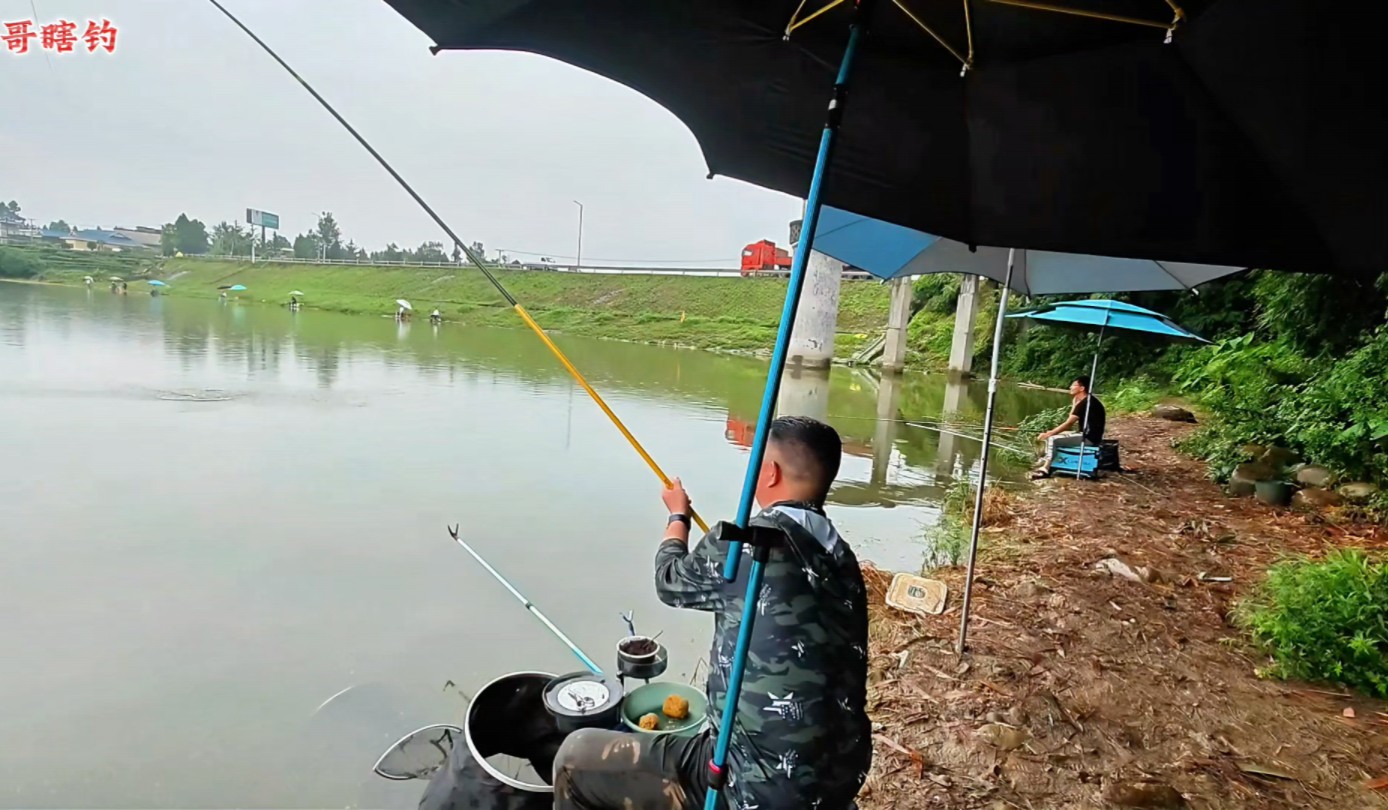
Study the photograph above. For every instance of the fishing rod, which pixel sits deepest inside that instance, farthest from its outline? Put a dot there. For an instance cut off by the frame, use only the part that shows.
(530, 606)
(475, 259)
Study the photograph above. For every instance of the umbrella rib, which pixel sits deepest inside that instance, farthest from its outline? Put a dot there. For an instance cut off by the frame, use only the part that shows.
(969, 31)
(1079, 12)
(1173, 275)
(927, 29)
(794, 25)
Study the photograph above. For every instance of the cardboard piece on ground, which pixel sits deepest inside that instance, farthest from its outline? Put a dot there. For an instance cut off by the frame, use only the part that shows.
(915, 594)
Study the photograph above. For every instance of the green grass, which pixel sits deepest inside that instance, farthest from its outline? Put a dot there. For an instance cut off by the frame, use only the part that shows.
(1324, 620)
(57, 264)
(733, 314)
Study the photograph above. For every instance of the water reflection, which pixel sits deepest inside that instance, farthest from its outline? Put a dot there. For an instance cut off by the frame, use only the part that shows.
(915, 448)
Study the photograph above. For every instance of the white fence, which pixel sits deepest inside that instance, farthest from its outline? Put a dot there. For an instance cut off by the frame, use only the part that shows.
(555, 268)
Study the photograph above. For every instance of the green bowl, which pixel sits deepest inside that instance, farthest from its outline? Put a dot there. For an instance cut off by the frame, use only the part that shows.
(649, 698)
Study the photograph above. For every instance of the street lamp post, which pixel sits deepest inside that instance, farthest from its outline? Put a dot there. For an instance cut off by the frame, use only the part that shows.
(578, 260)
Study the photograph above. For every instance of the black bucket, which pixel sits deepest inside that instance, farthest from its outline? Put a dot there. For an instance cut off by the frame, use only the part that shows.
(506, 717)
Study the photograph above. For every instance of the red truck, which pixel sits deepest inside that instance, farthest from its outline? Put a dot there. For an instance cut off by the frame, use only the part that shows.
(764, 256)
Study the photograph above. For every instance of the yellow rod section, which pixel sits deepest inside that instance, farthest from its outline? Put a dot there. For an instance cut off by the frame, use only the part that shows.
(578, 376)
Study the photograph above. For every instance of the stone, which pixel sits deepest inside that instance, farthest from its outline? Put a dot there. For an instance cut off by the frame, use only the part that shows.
(1273, 493)
(1245, 476)
(1003, 736)
(1144, 794)
(1313, 476)
(1279, 457)
(1031, 589)
(1173, 413)
(1241, 489)
(1358, 491)
(1118, 568)
(1312, 498)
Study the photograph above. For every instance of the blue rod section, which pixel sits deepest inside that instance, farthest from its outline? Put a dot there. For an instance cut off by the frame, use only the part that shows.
(783, 332)
(530, 606)
(768, 408)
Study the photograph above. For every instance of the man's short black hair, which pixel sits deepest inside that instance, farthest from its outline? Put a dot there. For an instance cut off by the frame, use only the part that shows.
(1083, 380)
(812, 450)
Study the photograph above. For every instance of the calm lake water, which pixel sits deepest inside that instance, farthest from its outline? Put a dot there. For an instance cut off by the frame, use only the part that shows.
(216, 516)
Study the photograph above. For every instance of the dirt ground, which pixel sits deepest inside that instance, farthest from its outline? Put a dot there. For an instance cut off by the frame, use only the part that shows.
(1085, 689)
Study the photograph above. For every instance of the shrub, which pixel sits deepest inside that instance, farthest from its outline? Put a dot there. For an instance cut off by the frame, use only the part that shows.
(1324, 620)
(18, 264)
(1042, 421)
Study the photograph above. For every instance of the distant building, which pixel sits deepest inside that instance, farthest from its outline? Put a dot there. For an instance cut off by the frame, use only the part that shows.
(96, 239)
(15, 227)
(145, 237)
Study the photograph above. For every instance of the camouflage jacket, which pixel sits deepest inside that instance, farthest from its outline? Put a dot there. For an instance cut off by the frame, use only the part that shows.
(802, 738)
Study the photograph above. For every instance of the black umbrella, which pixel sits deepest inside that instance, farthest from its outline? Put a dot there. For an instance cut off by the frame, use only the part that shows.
(1254, 137)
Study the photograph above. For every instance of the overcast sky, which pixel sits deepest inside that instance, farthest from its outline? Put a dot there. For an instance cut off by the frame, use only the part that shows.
(190, 115)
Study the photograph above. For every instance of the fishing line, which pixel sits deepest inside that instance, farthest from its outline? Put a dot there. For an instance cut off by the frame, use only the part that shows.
(472, 257)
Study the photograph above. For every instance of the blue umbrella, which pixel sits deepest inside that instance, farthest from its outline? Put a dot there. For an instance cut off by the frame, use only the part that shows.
(892, 251)
(1104, 314)
(237, 288)
(1101, 315)
(157, 283)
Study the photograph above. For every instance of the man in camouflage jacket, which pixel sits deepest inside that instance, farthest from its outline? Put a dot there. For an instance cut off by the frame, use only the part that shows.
(801, 739)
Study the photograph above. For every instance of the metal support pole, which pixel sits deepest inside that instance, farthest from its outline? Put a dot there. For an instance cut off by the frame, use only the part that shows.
(578, 259)
(983, 461)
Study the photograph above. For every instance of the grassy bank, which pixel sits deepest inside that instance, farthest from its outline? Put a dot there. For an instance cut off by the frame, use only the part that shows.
(712, 313)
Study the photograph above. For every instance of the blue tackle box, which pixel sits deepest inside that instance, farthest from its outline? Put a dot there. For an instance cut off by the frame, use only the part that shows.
(1081, 462)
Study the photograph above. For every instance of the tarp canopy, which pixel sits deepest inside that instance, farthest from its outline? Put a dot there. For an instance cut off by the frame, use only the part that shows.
(890, 251)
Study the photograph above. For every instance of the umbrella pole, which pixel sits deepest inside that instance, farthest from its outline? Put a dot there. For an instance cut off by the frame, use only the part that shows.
(1093, 371)
(718, 765)
(983, 463)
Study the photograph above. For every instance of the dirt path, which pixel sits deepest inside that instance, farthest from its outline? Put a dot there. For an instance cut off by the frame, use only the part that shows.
(1084, 689)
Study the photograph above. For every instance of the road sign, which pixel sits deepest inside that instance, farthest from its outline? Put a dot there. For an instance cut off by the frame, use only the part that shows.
(263, 218)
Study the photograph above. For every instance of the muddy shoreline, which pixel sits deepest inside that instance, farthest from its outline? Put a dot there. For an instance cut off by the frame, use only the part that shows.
(1085, 689)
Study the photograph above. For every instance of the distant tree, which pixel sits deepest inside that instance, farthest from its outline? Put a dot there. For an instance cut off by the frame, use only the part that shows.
(228, 239)
(279, 242)
(184, 235)
(429, 252)
(330, 235)
(392, 253)
(58, 225)
(306, 246)
(11, 208)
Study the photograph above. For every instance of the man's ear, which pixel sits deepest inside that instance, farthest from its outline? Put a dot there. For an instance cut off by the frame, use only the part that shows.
(774, 473)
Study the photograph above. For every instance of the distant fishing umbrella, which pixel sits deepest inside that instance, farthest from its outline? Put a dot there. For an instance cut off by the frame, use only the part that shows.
(156, 283)
(476, 260)
(237, 288)
(296, 292)
(404, 304)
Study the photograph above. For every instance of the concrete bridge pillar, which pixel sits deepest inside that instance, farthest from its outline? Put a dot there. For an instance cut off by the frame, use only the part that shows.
(885, 432)
(817, 317)
(956, 396)
(961, 349)
(804, 392)
(898, 318)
